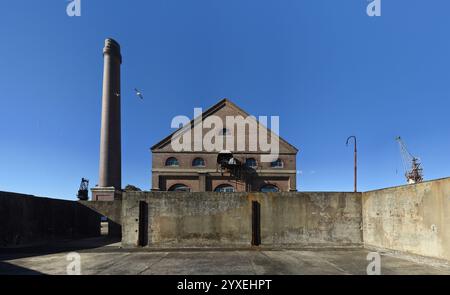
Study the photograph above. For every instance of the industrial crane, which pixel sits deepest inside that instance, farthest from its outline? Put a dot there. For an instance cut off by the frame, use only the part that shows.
(83, 190)
(411, 164)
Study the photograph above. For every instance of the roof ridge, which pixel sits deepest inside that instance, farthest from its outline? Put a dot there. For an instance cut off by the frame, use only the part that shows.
(209, 111)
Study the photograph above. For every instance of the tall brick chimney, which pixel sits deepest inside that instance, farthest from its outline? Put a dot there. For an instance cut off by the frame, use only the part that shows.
(110, 168)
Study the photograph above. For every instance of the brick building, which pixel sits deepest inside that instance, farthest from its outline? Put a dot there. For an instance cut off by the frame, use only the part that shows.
(197, 171)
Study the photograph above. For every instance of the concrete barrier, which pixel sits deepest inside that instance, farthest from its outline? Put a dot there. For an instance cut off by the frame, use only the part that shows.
(414, 219)
(225, 219)
(27, 219)
(111, 210)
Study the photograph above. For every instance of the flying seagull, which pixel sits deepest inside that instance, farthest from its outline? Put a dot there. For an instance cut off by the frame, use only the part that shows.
(139, 93)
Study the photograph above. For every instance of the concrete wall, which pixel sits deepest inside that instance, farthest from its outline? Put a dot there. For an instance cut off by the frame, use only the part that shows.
(225, 220)
(110, 209)
(308, 219)
(413, 218)
(27, 219)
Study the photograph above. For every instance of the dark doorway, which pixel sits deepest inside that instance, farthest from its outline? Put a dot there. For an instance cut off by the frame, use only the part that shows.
(256, 223)
(143, 224)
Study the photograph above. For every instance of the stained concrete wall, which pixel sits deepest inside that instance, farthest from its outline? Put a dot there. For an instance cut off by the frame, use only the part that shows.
(308, 219)
(110, 209)
(27, 219)
(225, 219)
(414, 219)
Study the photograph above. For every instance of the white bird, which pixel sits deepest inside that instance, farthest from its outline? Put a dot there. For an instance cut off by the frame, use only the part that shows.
(139, 93)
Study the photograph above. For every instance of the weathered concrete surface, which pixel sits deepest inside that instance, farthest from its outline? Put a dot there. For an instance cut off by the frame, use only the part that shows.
(414, 219)
(225, 219)
(112, 210)
(310, 218)
(188, 219)
(113, 260)
(27, 219)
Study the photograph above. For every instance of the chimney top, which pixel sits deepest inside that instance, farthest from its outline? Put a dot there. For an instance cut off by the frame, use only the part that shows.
(112, 47)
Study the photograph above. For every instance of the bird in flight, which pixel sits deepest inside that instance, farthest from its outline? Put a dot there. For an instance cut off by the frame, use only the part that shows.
(138, 93)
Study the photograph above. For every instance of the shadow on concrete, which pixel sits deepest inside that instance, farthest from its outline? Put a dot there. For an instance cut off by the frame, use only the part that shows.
(27, 220)
(7, 268)
(57, 247)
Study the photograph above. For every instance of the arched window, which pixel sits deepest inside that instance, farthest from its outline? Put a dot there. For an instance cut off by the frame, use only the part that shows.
(277, 164)
(198, 162)
(251, 162)
(179, 187)
(225, 131)
(224, 188)
(269, 188)
(173, 162)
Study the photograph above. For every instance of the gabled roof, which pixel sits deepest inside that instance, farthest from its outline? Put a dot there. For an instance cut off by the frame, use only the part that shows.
(222, 103)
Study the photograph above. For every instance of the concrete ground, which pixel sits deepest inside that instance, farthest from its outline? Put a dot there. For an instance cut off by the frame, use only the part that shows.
(109, 258)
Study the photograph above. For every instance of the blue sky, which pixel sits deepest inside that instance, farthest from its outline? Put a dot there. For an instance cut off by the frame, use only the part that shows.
(325, 67)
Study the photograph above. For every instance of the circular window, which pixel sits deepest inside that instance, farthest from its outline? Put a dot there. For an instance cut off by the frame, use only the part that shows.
(277, 164)
(179, 187)
(251, 162)
(224, 188)
(173, 162)
(269, 188)
(225, 131)
(198, 162)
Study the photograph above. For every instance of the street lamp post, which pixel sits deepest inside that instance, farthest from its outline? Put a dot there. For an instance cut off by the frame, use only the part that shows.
(355, 160)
